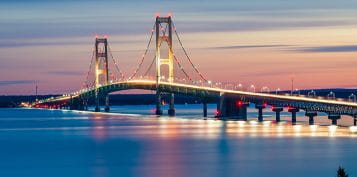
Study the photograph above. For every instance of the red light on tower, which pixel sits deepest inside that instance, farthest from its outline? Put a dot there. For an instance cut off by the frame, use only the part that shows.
(106, 36)
(157, 14)
(96, 36)
(169, 14)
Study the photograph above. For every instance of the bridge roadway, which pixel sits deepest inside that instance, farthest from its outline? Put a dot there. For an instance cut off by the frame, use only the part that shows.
(228, 100)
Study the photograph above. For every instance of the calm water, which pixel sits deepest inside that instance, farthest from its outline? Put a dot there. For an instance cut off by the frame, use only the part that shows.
(55, 143)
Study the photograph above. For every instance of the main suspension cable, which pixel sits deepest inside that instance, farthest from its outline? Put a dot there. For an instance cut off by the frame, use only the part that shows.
(115, 63)
(90, 66)
(182, 69)
(143, 57)
(153, 61)
(189, 59)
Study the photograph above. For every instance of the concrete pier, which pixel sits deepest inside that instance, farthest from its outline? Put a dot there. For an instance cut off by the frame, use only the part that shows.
(107, 108)
(260, 108)
(311, 115)
(204, 108)
(277, 111)
(293, 114)
(231, 108)
(171, 110)
(334, 118)
(158, 110)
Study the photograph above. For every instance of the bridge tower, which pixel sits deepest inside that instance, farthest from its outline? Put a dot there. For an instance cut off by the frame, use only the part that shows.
(101, 70)
(162, 37)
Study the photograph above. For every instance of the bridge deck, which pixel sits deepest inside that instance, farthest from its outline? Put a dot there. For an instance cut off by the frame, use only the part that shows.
(178, 87)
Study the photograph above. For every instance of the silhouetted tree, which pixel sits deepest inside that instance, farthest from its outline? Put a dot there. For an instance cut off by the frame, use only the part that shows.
(341, 172)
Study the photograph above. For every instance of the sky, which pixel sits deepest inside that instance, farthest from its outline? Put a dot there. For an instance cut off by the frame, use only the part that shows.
(49, 43)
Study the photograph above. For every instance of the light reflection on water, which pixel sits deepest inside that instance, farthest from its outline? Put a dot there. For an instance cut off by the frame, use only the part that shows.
(50, 143)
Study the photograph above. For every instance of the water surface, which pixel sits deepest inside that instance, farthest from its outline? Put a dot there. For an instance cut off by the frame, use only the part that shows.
(132, 142)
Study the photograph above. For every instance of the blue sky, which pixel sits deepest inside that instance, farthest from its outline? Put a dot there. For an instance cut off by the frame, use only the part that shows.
(41, 18)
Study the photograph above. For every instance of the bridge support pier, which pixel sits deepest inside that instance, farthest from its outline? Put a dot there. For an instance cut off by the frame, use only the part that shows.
(260, 108)
(86, 105)
(311, 115)
(231, 108)
(70, 106)
(277, 111)
(107, 107)
(97, 106)
(80, 105)
(243, 111)
(204, 108)
(158, 110)
(334, 118)
(171, 110)
(293, 114)
(77, 104)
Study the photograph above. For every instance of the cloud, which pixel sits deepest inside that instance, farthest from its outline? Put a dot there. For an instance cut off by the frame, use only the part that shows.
(39, 43)
(66, 73)
(248, 46)
(327, 49)
(16, 82)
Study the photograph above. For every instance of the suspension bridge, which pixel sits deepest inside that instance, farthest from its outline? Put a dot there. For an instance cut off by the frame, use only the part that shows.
(183, 77)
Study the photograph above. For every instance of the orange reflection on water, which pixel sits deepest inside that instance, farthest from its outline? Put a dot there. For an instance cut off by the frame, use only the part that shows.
(173, 127)
(215, 128)
(99, 130)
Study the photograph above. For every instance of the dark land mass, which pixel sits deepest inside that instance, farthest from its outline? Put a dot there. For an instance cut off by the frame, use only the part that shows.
(145, 99)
